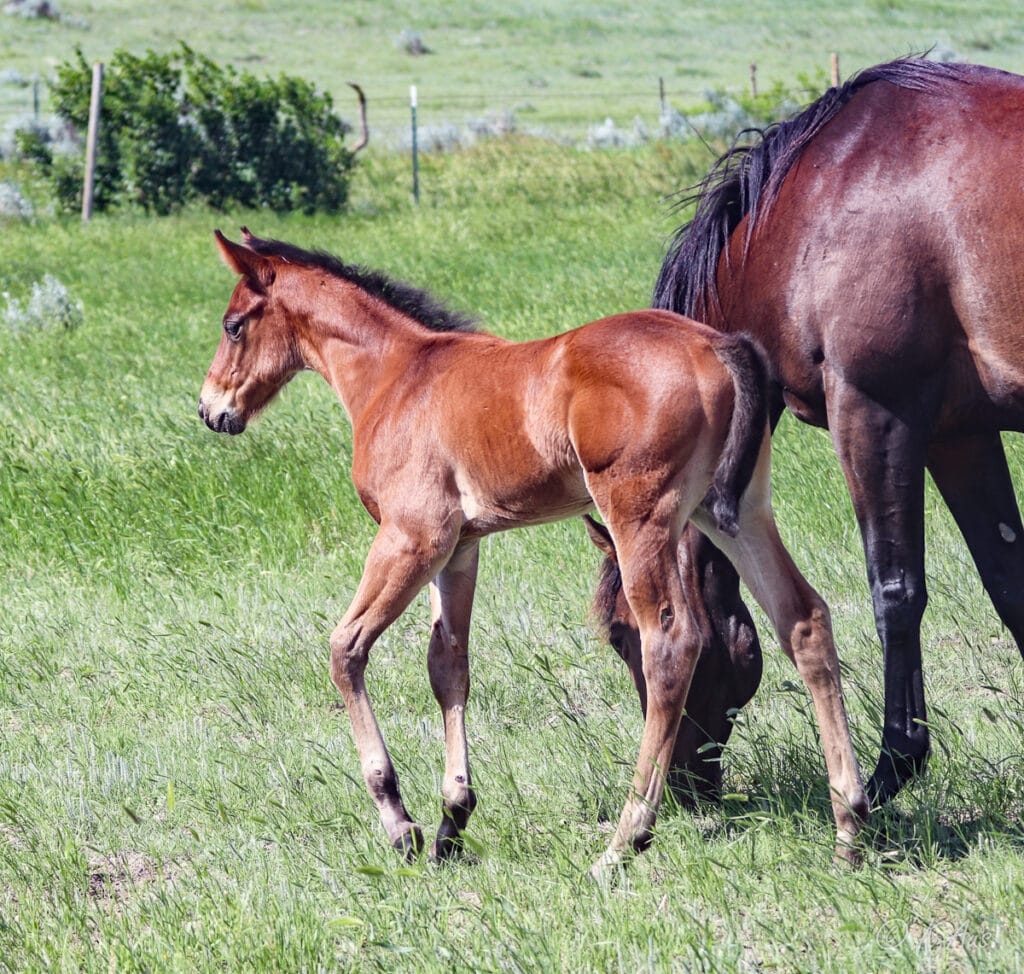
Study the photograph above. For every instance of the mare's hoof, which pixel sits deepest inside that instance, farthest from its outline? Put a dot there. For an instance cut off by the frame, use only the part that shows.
(893, 772)
(409, 844)
(445, 849)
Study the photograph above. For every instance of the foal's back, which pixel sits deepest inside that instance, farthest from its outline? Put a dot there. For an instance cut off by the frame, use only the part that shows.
(520, 425)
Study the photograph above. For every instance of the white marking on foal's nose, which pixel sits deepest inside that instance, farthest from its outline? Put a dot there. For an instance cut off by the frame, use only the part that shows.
(1008, 534)
(216, 399)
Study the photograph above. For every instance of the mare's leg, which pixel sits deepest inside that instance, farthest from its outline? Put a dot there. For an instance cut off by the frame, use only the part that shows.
(801, 620)
(451, 602)
(972, 476)
(647, 559)
(882, 452)
(397, 567)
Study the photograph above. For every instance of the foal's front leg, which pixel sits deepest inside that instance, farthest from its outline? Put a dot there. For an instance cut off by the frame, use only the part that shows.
(398, 565)
(451, 603)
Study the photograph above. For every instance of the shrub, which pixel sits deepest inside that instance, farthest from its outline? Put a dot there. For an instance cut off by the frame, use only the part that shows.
(13, 203)
(14, 78)
(726, 115)
(33, 9)
(608, 135)
(411, 42)
(49, 306)
(176, 127)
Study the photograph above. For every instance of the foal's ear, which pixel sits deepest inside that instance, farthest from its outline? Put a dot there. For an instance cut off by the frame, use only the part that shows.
(245, 262)
(601, 537)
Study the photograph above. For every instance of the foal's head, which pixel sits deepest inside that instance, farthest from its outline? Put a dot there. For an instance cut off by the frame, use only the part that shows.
(258, 353)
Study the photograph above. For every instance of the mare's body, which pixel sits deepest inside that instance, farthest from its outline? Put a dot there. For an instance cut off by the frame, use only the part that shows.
(873, 246)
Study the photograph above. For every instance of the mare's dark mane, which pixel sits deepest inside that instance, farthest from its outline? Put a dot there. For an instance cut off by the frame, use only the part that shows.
(746, 181)
(409, 300)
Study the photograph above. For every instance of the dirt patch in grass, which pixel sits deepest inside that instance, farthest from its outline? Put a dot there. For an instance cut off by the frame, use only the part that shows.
(114, 879)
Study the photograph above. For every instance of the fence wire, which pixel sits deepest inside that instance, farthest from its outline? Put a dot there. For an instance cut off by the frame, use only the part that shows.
(553, 111)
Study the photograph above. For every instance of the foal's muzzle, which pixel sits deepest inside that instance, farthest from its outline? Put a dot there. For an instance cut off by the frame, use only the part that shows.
(226, 421)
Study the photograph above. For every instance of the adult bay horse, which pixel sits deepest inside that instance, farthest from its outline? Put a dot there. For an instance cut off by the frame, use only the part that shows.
(648, 417)
(872, 244)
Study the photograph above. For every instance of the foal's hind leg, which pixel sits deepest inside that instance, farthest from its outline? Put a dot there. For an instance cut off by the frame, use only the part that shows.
(451, 602)
(802, 623)
(972, 475)
(728, 671)
(671, 645)
(397, 567)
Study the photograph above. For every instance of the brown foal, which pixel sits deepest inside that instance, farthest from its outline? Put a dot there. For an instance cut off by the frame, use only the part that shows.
(651, 418)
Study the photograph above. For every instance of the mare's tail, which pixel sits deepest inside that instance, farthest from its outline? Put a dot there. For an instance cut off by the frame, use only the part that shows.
(749, 370)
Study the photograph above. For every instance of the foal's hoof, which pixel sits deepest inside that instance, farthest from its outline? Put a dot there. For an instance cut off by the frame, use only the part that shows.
(608, 870)
(847, 854)
(409, 843)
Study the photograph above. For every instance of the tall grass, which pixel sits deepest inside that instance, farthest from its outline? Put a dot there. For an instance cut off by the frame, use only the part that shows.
(178, 786)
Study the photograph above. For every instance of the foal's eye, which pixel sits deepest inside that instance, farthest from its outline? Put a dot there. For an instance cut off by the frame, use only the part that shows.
(233, 328)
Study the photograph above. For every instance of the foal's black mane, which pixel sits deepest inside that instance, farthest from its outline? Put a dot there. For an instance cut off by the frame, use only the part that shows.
(747, 178)
(606, 597)
(409, 300)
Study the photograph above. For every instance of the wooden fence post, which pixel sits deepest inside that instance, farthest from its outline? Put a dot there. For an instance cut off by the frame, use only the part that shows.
(835, 69)
(753, 80)
(91, 140)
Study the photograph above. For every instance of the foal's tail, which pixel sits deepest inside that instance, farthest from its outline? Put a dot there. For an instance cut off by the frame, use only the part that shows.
(748, 367)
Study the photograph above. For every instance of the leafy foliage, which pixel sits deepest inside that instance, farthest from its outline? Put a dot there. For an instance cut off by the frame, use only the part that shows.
(177, 127)
(727, 112)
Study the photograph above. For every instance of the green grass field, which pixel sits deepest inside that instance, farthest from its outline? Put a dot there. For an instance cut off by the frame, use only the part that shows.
(178, 785)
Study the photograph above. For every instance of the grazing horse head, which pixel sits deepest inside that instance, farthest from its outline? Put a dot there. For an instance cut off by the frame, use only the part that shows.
(727, 674)
(258, 351)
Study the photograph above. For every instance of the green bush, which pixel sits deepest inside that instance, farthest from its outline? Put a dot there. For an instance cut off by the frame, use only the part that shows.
(177, 127)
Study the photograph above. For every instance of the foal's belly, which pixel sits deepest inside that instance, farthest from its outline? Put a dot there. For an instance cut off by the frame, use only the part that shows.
(511, 504)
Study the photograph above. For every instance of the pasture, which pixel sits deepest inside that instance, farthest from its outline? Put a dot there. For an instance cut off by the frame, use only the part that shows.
(179, 789)
(179, 785)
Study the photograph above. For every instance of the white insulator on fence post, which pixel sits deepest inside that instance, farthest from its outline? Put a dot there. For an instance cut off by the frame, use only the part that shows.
(91, 140)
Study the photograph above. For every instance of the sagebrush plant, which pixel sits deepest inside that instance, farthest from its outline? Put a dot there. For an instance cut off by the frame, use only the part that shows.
(177, 128)
(14, 78)
(33, 9)
(50, 306)
(14, 205)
